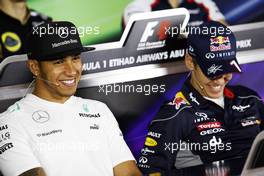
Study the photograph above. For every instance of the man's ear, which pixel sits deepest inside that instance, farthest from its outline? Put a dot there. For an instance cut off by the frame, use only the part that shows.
(33, 66)
(189, 61)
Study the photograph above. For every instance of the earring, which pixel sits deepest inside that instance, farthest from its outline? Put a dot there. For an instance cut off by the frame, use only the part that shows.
(35, 75)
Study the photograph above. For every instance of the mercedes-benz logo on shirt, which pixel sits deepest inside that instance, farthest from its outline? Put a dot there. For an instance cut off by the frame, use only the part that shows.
(40, 116)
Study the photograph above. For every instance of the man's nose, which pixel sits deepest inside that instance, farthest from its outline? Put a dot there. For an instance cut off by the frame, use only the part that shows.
(70, 68)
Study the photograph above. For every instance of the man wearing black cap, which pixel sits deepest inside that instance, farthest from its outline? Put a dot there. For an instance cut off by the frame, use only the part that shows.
(53, 133)
(208, 121)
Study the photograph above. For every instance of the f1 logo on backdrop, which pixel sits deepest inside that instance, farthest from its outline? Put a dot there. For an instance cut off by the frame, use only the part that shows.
(160, 38)
(149, 31)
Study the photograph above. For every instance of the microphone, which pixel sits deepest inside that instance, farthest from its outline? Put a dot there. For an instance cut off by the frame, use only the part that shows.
(45, 80)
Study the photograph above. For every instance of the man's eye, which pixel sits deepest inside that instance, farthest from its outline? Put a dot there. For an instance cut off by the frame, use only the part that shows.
(58, 62)
(76, 57)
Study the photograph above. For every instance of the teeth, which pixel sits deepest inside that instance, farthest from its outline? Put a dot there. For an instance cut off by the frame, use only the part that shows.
(216, 88)
(68, 81)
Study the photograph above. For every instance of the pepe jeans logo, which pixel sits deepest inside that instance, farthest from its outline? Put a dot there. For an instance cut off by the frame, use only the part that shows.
(40, 116)
(240, 108)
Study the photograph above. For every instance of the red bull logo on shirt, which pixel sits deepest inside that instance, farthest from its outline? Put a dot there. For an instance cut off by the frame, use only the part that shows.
(180, 100)
(220, 43)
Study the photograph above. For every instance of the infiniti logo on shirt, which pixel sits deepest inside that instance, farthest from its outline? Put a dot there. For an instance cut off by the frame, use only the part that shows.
(143, 160)
(40, 116)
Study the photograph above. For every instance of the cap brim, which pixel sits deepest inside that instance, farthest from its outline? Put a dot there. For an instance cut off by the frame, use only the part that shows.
(87, 48)
(60, 55)
(213, 69)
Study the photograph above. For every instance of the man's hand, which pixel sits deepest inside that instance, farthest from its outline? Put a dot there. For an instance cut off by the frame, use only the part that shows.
(34, 172)
(128, 168)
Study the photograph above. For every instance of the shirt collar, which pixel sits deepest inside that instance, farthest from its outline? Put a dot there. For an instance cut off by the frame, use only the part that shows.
(6, 17)
(35, 100)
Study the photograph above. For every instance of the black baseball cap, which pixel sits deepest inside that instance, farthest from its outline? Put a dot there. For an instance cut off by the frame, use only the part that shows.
(213, 45)
(54, 40)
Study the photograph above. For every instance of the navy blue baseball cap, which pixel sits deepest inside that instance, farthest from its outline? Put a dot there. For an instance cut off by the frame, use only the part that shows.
(213, 45)
(54, 40)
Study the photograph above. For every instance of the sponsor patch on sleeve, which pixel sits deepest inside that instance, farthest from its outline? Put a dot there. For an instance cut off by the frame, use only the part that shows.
(4, 139)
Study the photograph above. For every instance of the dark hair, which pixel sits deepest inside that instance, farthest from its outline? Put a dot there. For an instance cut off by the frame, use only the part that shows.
(194, 61)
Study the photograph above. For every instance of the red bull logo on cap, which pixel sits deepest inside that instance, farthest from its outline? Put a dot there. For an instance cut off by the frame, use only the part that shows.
(219, 40)
(220, 43)
(180, 100)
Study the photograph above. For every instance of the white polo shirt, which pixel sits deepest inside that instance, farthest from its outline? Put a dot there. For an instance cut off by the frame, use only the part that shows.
(80, 137)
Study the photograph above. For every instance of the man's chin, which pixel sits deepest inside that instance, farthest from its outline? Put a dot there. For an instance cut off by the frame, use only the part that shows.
(215, 95)
(68, 93)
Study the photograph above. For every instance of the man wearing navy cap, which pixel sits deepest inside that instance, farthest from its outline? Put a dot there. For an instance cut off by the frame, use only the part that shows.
(208, 121)
(53, 133)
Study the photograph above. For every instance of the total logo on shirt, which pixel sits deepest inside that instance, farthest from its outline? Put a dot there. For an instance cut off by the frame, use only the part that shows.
(208, 125)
